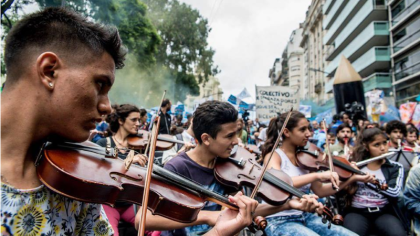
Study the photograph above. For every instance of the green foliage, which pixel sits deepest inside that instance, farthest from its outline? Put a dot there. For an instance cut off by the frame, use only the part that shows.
(166, 41)
(184, 34)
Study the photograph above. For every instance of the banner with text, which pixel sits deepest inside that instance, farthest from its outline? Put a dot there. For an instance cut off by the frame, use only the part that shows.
(271, 100)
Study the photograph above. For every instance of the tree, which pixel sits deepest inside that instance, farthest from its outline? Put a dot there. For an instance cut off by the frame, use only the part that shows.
(184, 49)
(166, 41)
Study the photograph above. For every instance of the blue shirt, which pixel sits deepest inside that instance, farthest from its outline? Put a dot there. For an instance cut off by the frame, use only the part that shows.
(185, 166)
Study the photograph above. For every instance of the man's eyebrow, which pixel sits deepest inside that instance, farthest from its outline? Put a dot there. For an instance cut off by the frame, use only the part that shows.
(109, 79)
(230, 133)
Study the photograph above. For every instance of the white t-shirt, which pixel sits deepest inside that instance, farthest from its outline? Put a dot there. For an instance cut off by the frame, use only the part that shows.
(292, 170)
(262, 137)
(367, 197)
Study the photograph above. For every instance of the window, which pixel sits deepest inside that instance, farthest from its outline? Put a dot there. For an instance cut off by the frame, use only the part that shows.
(398, 8)
(399, 35)
(295, 68)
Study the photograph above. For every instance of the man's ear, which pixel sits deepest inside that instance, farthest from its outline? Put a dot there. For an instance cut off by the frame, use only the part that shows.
(286, 132)
(47, 64)
(205, 138)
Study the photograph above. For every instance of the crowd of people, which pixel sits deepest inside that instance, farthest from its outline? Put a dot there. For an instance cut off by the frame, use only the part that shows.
(69, 65)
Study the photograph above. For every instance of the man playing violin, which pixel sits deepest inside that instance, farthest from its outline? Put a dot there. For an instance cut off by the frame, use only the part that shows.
(63, 66)
(215, 128)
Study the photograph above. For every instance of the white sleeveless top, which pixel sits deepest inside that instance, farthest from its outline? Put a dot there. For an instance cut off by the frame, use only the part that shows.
(292, 170)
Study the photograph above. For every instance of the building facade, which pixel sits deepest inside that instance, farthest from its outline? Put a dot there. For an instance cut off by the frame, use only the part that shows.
(314, 52)
(208, 91)
(275, 72)
(404, 27)
(288, 70)
(359, 30)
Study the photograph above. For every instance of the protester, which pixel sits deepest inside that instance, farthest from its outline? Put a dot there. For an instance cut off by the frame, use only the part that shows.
(396, 131)
(412, 196)
(165, 119)
(143, 120)
(370, 208)
(293, 222)
(344, 133)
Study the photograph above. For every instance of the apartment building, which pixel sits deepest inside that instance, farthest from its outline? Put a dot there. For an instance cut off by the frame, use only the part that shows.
(314, 59)
(359, 30)
(404, 27)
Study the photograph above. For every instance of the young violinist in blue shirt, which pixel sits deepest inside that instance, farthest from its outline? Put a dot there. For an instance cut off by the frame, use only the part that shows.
(215, 128)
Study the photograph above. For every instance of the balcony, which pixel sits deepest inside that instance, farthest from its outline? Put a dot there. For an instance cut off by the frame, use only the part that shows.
(408, 42)
(375, 34)
(377, 58)
(333, 13)
(327, 6)
(409, 72)
(404, 15)
(377, 81)
(351, 8)
(369, 12)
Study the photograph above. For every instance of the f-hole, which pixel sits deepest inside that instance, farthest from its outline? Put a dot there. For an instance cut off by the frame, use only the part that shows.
(114, 175)
(253, 177)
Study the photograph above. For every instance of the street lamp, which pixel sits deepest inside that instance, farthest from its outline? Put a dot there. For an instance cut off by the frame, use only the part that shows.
(318, 70)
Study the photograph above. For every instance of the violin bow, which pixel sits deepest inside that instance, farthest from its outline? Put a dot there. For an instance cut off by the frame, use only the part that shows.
(328, 152)
(157, 115)
(152, 146)
(276, 144)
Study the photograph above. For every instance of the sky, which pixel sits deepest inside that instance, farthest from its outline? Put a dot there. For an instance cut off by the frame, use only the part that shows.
(248, 35)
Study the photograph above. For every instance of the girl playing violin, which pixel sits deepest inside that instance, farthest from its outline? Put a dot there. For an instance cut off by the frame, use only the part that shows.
(294, 222)
(124, 121)
(367, 207)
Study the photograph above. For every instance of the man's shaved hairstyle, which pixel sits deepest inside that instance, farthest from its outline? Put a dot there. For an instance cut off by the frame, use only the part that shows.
(61, 31)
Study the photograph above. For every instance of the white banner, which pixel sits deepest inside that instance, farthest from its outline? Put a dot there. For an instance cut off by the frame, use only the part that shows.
(271, 100)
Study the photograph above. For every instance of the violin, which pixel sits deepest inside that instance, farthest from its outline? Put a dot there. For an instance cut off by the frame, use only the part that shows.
(255, 150)
(90, 173)
(312, 158)
(140, 140)
(241, 169)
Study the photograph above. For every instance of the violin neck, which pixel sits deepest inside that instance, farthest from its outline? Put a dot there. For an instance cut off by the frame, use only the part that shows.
(347, 167)
(282, 185)
(190, 185)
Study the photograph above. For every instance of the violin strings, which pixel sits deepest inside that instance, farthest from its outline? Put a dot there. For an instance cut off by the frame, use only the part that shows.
(283, 185)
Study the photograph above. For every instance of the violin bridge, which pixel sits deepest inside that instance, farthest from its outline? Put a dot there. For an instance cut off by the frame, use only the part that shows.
(324, 156)
(129, 160)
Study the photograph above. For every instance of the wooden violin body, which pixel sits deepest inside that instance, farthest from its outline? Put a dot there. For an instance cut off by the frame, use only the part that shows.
(241, 169)
(164, 141)
(95, 176)
(312, 158)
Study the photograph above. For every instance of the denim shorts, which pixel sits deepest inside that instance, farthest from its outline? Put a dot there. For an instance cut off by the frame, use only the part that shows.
(306, 224)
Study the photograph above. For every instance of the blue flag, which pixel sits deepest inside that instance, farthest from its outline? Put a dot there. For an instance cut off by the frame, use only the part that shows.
(232, 99)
